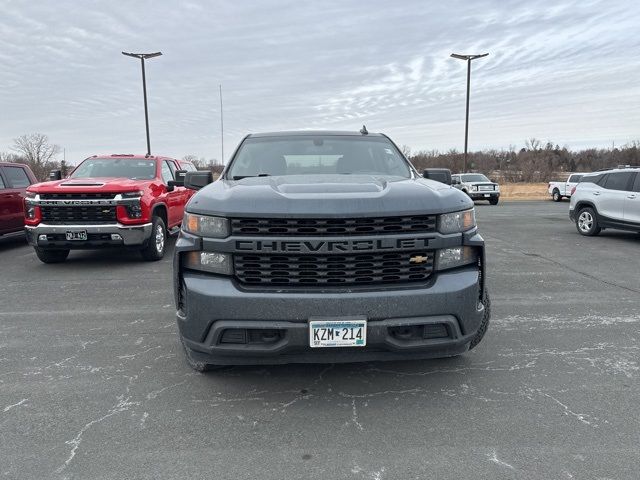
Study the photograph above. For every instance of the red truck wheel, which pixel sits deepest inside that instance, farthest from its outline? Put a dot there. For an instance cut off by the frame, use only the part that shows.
(157, 243)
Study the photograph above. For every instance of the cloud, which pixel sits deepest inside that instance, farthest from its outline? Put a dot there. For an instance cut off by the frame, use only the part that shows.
(564, 71)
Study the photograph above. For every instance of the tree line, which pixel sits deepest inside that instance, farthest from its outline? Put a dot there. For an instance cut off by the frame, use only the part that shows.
(535, 162)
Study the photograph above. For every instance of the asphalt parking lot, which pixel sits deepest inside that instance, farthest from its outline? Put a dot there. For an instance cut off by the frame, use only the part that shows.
(93, 383)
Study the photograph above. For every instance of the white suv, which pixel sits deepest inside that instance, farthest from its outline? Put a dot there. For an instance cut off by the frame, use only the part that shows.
(607, 199)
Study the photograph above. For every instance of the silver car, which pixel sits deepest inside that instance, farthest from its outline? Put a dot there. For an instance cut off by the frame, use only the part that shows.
(607, 199)
(477, 186)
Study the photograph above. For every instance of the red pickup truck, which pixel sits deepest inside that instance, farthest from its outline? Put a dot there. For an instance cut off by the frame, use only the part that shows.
(14, 180)
(107, 201)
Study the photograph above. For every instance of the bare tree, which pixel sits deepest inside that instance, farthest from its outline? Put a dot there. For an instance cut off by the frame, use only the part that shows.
(37, 152)
(11, 157)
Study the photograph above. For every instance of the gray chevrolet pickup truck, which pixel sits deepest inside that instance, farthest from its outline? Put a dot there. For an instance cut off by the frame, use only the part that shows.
(323, 246)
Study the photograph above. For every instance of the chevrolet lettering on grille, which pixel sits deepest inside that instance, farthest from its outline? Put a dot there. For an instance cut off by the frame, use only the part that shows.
(328, 246)
(75, 203)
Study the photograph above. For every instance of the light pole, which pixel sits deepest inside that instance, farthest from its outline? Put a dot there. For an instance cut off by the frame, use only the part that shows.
(468, 58)
(143, 57)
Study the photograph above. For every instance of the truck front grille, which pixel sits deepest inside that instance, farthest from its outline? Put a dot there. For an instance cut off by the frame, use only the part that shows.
(77, 196)
(78, 214)
(333, 226)
(336, 270)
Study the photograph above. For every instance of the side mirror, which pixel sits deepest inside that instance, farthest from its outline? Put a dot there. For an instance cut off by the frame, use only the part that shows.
(442, 175)
(492, 180)
(197, 180)
(55, 175)
(178, 182)
(455, 181)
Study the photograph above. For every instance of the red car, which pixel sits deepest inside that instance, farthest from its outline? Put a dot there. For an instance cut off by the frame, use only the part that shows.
(14, 180)
(107, 201)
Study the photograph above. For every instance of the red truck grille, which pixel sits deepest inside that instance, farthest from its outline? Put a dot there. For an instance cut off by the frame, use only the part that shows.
(333, 226)
(334, 270)
(78, 214)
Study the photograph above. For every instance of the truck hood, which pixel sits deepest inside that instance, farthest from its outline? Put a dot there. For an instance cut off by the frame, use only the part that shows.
(90, 185)
(327, 196)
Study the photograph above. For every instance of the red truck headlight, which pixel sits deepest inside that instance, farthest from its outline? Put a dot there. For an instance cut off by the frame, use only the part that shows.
(32, 214)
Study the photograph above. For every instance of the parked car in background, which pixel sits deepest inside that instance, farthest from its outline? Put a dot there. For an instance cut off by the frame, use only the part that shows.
(477, 186)
(107, 201)
(607, 199)
(14, 180)
(560, 190)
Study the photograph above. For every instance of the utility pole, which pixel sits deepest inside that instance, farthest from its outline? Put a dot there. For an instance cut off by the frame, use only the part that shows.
(468, 59)
(143, 57)
(221, 128)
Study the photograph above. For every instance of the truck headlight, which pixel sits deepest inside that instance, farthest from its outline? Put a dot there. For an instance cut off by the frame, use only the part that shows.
(455, 257)
(212, 262)
(457, 222)
(136, 194)
(205, 226)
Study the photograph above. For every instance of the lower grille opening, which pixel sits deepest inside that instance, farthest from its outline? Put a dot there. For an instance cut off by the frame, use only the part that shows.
(250, 335)
(435, 330)
(91, 237)
(419, 332)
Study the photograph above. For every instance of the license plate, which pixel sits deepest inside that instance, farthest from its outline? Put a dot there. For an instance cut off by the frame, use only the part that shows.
(487, 195)
(337, 333)
(76, 235)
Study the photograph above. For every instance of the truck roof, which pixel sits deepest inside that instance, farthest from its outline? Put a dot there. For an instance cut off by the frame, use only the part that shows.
(133, 156)
(337, 133)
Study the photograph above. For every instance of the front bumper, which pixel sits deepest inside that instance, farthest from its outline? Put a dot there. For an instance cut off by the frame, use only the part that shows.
(103, 235)
(211, 304)
(484, 195)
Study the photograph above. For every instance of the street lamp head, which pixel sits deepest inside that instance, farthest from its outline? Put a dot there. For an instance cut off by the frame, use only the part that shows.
(468, 57)
(142, 55)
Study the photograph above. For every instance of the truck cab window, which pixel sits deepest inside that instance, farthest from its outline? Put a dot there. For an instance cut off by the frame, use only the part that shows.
(17, 177)
(167, 172)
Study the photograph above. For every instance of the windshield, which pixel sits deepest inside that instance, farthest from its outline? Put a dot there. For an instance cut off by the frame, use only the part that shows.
(317, 155)
(135, 169)
(476, 177)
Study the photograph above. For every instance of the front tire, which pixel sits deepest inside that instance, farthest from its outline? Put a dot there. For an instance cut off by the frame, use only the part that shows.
(157, 243)
(494, 201)
(485, 322)
(556, 195)
(51, 256)
(587, 222)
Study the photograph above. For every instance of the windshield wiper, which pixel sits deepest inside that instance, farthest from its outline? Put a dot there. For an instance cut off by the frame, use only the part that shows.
(240, 177)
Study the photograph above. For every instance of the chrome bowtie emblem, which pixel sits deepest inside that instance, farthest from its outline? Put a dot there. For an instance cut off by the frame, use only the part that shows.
(418, 259)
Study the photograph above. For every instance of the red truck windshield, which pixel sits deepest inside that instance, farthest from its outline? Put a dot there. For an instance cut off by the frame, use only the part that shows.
(135, 169)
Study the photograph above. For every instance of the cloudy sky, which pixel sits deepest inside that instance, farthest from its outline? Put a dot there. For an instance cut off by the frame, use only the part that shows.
(562, 71)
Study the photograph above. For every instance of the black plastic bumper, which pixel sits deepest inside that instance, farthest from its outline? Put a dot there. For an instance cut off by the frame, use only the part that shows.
(213, 304)
(482, 195)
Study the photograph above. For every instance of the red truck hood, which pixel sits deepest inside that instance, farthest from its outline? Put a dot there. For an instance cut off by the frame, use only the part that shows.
(92, 185)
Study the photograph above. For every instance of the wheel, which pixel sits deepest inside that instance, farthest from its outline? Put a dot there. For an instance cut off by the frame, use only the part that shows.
(154, 250)
(556, 195)
(587, 222)
(51, 256)
(485, 322)
(494, 201)
(198, 365)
